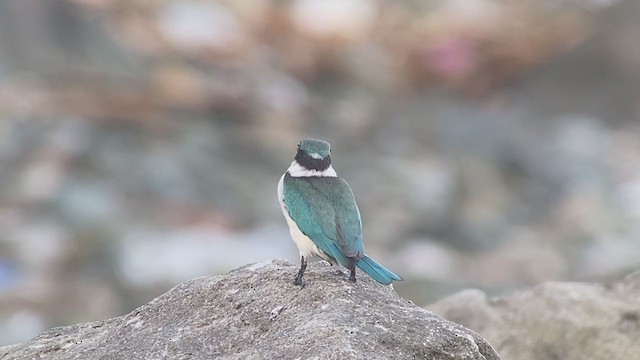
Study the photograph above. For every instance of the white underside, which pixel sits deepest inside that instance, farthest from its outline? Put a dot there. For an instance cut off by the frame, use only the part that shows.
(305, 245)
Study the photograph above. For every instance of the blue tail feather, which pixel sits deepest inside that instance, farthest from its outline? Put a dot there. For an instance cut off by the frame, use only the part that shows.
(378, 272)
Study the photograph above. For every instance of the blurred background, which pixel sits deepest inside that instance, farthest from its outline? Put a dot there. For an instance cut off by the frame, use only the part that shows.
(490, 144)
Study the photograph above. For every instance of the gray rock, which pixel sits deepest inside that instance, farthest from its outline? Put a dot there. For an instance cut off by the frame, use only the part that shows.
(255, 312)
(568, 321)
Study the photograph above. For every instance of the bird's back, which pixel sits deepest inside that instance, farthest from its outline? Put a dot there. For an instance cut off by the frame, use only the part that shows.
(325, 210)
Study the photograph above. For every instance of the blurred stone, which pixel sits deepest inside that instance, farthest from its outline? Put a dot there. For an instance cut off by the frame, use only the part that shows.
(602, 3)
(452, 58)
(281, 93)
(462, 44)
(41, 180)
(609, 255)
(64, 42)
(90, 204)
(179, 86)
(610, 89)
(570, 321)
(10, 275)
(152, 257)
(524, 257)
(334, 19)
(623, 153)
(196, 25)
(426, 259)
(39, 246)
(628, 195)
(20, 326)
(432, 186)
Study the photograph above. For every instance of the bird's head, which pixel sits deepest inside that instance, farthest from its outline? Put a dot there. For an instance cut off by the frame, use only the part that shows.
(314, 154)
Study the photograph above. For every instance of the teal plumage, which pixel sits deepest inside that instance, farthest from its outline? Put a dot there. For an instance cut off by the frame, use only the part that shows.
(323, 208)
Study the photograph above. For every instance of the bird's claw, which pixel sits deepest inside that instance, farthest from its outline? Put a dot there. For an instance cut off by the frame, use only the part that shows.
(352, 276)
(299, 282)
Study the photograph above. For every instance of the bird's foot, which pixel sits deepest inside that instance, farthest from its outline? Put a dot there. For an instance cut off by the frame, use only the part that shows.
(299, 282)
(340, 273)
(352, 277)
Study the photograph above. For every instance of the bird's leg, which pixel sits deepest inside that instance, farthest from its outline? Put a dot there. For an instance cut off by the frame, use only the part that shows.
(303, 267)
(352, 277)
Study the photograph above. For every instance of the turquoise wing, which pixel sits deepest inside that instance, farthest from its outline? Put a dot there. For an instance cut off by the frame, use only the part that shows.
(326, 211)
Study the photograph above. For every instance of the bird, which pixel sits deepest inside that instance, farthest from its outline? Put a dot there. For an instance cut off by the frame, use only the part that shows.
(323, 217)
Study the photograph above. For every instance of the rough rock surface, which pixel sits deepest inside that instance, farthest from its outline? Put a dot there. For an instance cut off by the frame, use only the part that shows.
(255, 312)
(568, 321)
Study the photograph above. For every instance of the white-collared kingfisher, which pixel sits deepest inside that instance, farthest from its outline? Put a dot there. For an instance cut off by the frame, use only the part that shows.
(322, 214)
